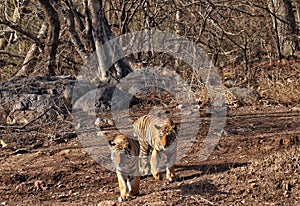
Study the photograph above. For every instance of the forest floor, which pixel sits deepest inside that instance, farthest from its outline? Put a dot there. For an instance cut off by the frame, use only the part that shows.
(256, 162)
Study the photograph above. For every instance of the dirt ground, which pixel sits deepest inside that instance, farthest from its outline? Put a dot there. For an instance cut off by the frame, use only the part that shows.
(257, 162)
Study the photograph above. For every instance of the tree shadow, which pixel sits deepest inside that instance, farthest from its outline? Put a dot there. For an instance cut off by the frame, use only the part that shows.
(206, 169)
(202, 187)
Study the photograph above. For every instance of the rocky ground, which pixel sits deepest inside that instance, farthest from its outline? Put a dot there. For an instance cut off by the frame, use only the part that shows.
(257, 162)
(44, 158)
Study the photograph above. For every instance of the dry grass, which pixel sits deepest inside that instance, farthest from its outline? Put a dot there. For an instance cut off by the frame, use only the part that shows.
(280, 83)
(277, 82)
(280, 91)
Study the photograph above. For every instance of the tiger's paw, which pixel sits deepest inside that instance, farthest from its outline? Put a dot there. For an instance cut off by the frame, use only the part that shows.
(129, 196)
(171, 179)
(170, 175)
(124, 198)
(157, 176)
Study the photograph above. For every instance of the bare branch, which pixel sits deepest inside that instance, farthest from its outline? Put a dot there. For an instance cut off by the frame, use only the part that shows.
(27, 34)
(31, 54)
(11, 54)
(69, 15)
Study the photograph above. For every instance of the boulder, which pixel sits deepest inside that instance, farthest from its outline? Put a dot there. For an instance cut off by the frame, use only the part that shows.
(245, 96)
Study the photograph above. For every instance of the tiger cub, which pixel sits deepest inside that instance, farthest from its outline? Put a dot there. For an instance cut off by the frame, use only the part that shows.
(125, 154)
(159, 135)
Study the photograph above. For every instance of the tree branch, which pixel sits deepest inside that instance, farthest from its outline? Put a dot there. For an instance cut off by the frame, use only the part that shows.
(17, 28)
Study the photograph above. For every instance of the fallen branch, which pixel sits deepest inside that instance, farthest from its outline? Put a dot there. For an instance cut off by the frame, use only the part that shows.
(40, 116)
(29, 123)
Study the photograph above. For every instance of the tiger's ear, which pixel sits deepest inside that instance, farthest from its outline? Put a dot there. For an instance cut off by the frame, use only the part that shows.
(157, 127)
(111, 143)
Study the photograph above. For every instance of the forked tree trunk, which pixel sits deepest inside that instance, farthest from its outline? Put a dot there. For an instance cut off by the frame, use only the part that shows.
(101, 34)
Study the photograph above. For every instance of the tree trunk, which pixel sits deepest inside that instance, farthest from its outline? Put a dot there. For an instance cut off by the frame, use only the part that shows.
(297, 8)
(285, 27)
(101, 34)
(51, 43)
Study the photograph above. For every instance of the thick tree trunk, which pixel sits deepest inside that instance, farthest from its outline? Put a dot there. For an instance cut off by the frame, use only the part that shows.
(297, 8)
(51, 43)
(285, 27)
(101, 34)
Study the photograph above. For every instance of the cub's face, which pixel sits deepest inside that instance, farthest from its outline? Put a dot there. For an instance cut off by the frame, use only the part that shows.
(120, 150)
(167, 134)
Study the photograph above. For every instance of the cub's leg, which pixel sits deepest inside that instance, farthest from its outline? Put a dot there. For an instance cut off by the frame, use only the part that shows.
(155, 158)
(134, 186)
(123, 187)
(170, 173)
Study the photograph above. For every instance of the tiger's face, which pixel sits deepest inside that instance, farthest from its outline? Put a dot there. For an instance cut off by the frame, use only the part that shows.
(166, 134)
(121, 150)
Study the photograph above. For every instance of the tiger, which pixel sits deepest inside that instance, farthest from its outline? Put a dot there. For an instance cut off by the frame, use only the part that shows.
(158, 135)
(125, 155)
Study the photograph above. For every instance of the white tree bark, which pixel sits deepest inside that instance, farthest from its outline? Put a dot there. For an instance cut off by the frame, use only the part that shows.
(95, 8)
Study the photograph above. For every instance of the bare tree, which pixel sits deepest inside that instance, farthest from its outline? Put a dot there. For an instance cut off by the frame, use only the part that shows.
(297, 8)
(51, 44)
(28, 63)
(58, 38)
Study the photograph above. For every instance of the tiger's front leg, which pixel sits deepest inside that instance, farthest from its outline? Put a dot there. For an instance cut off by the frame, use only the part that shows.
(144, 158)
(123, 187)
(155, 158)
(134, 185)
(129, 187)
(170, 170)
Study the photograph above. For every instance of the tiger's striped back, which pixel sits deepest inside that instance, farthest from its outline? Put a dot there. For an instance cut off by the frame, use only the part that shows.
(156, 135)
(157, 132)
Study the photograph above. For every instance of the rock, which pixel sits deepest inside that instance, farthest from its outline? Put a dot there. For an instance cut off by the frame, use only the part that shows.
(295, 109)
(62, 196)
(113, 98)
(36, 98)
(103, 122)
(101, 133)
(229, 83)
(251, 180)
(61, 137)
(40, 185)
(245, 96)
(107, 203)
(3, 144)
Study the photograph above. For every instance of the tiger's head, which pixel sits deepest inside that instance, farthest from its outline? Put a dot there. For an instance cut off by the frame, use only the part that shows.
(167, 133)
(120, 150)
